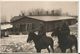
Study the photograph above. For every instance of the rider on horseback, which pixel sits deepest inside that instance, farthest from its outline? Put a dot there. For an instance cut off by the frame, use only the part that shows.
(65, 29)
(42, 31)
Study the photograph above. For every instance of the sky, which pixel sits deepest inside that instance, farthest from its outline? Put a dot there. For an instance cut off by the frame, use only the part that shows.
(13, 8)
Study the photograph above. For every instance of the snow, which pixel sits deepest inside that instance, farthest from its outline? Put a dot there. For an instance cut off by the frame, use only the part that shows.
(51, 18)
(18, 42)
(6, 26)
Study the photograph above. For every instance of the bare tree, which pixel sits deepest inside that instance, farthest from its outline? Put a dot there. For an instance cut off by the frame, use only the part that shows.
(52, 12)
(58, 12)
(23, 13)
(42, 12)
(36, 12)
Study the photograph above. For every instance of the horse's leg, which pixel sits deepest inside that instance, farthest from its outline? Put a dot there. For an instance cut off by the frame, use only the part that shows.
(38, 50)
(52, 48)
(48, 49)
(71, 49)
(51, 45)
(63, 50)
(76, 47)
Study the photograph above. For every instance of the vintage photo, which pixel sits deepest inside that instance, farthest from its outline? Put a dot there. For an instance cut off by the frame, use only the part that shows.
(39, 27)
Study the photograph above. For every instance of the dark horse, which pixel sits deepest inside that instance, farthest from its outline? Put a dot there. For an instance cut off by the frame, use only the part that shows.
(40, 43)
(65, 42)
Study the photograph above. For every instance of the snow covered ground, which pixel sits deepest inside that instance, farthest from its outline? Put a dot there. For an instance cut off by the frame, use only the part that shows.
(17, 43)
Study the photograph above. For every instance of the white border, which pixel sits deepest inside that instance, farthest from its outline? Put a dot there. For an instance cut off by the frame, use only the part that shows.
(39, 0)
(60, 0)
(79, 29)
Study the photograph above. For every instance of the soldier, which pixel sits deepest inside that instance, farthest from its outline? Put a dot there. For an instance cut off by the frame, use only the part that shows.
(42, 31)
(65, 29)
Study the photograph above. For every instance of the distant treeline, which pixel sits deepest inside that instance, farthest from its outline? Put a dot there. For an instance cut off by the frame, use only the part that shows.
(42, 12)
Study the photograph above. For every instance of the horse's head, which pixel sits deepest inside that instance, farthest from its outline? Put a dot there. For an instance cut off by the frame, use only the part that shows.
(56, 32)
(52, 34)
(31, 36)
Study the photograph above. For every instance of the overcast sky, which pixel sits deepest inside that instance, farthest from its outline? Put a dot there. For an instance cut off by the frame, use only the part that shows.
(9, 9)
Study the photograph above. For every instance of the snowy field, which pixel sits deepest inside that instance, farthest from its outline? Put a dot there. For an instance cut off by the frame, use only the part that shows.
(17, 43)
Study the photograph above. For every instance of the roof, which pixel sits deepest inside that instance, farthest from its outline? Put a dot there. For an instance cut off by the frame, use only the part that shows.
(6, 26)
(16, 18)
(74, 25)
(51, 18)
(5, 22)
(43, 18)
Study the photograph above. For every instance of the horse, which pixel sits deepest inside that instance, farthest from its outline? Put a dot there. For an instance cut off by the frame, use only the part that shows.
(40, 43)
(65, 42)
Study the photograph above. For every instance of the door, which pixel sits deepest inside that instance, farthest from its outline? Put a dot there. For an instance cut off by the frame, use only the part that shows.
(29, 26)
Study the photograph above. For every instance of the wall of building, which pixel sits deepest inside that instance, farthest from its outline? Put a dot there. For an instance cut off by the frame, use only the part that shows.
(51, 25)
(34, 24)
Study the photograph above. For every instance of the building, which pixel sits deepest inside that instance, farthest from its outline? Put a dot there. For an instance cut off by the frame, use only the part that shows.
(6, 28)
(24, 24)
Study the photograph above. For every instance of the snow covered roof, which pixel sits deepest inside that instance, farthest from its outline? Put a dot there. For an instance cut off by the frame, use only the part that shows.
(74, 25)
(43, 18)
(16, 18)
(51, 18)
(6, 26)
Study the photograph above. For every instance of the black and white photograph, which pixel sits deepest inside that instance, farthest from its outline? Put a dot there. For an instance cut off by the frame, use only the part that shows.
(39, 27)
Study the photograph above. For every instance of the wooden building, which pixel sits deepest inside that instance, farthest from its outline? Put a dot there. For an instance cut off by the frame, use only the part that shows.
(6, 28)
(24, 24)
